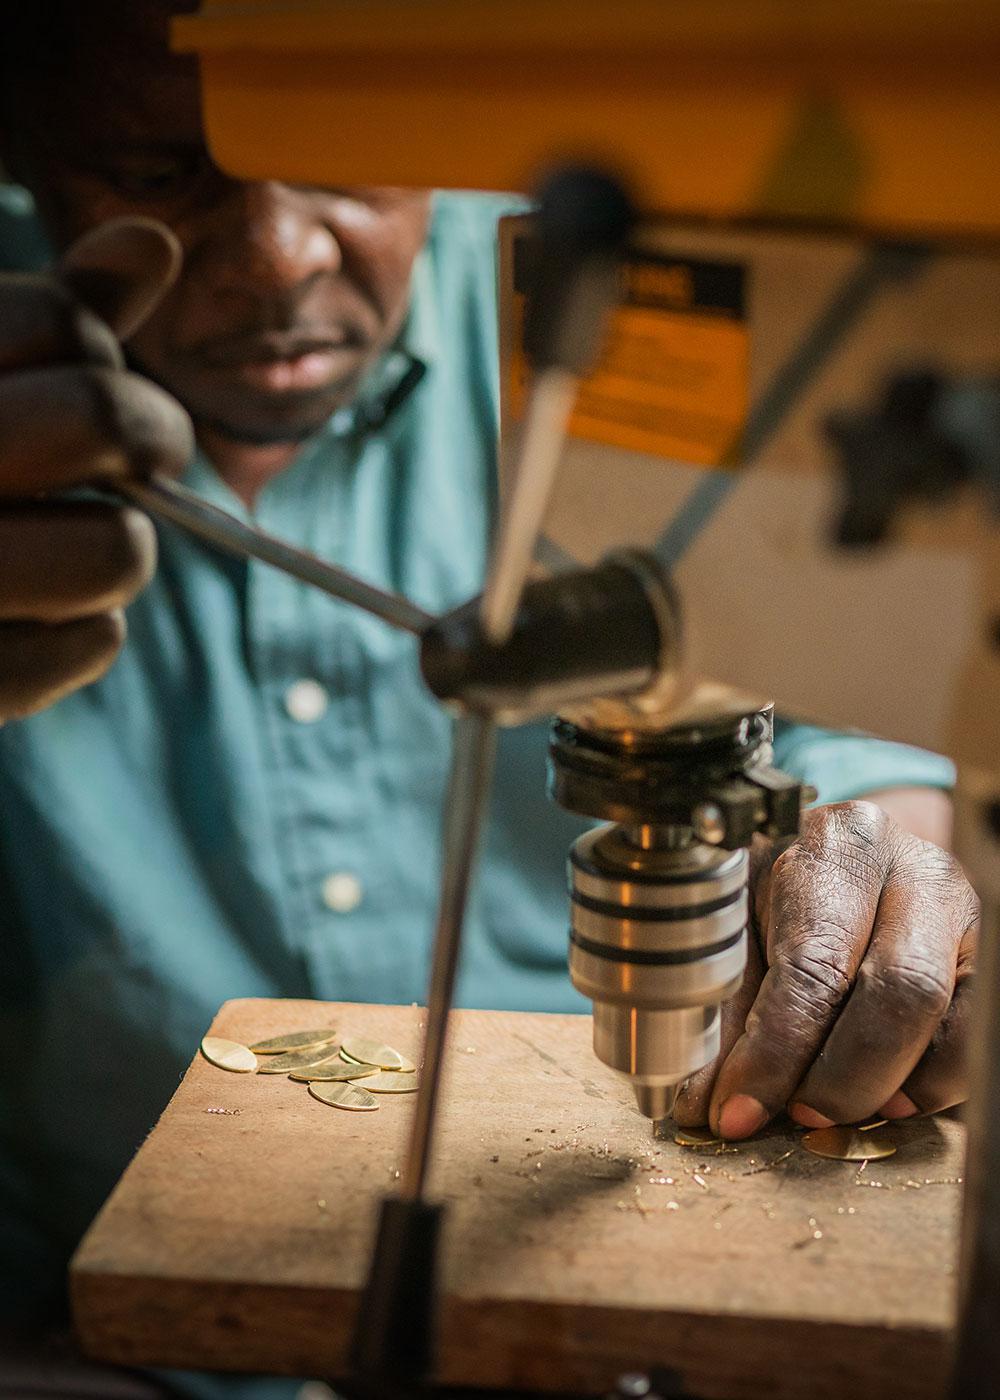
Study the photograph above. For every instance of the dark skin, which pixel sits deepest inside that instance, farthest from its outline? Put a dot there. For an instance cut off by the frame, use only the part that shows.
(288, 295)
(256, 320)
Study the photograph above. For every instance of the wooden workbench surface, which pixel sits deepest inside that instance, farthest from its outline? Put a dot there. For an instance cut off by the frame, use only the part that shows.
(576, 1245)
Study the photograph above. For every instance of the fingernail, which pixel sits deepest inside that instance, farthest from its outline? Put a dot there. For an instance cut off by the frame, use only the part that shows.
(741, 1115)
(808, 1117)
(899, 1106)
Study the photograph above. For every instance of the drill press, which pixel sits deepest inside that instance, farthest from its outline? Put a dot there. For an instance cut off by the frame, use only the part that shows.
(659, 896)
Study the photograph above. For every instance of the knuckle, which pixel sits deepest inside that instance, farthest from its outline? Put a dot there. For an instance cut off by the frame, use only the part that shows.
(914, 989)
(813, 976)
(927, 872)
(808, 988)
(846, 841)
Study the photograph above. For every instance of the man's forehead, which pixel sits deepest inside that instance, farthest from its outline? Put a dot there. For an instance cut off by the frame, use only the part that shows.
(118, 95)
(146, 102)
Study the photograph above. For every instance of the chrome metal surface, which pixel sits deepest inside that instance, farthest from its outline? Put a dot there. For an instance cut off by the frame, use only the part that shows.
(656, 1050)
(658, 942)
(606, 866)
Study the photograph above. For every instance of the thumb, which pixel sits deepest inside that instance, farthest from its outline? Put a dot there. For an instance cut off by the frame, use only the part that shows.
(121, 270)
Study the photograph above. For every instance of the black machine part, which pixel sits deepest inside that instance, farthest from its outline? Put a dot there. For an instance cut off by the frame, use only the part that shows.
(715, 780)
(609, 630)
(928, 437)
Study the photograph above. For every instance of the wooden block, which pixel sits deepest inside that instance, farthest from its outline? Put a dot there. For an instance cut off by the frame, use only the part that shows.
(576, 1245)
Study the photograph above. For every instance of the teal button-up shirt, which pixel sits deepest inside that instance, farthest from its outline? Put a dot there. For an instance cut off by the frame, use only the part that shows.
(200, 825)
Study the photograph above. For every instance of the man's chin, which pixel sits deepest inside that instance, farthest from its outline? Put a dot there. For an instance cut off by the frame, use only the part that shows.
(267, 420)
(255, 434)
(253, 416)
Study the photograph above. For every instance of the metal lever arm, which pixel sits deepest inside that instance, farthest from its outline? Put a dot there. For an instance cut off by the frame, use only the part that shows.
(170, 501)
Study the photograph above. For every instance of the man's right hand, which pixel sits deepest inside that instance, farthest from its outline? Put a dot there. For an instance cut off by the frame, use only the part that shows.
(71, 415)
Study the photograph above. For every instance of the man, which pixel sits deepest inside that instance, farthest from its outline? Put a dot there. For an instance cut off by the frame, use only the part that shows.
(246, 802)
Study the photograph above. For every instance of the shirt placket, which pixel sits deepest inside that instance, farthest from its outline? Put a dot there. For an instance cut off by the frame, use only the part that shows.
(307, 661)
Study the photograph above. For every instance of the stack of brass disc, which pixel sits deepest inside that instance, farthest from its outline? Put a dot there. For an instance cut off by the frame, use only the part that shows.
(331, 1066)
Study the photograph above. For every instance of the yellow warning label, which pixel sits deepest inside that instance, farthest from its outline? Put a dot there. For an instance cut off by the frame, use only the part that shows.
(674, 377)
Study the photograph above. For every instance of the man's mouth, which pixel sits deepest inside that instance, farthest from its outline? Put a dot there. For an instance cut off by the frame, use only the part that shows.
(283, 362)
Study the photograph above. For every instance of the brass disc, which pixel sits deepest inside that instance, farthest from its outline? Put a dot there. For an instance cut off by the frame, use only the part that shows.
(846, 1144)
(342, 1095)
(333, 1071)
(364, 1051)
(392, 1082)
(696, 1137)
(298, 1059)
(228, 1054)
(296, 1040)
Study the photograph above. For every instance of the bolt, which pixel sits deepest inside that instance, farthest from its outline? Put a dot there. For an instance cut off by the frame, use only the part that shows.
(709, 823)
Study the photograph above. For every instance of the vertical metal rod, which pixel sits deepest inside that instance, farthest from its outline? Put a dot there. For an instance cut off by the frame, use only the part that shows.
(466, 801)
(544, 434)
(883, 267)
(977, 1341)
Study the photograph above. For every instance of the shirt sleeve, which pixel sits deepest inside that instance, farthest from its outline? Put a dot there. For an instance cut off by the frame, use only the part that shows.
(846, 766)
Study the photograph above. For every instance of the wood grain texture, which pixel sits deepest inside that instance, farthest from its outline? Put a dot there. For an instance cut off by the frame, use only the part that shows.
(240, 1240)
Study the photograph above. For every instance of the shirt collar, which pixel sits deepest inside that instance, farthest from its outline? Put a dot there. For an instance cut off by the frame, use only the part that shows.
(391, 381)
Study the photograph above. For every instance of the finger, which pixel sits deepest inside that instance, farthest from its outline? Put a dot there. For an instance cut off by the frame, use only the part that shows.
(65, 426)
(821, 906)
(42, 323)
(122, 270)
(901, 994)
(60, 562)
(691, 1107)
(941, 1078)
(39, 663)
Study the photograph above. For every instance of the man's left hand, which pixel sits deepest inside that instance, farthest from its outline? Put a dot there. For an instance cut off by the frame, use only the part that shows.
(859, 976)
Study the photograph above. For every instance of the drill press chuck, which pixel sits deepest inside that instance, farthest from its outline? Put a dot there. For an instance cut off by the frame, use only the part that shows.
(657, 942)
(659, 900)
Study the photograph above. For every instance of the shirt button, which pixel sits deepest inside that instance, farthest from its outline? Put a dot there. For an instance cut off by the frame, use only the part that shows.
(306, 701)
(342, 892)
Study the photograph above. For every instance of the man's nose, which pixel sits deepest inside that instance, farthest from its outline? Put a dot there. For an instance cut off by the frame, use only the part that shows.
(274, 240)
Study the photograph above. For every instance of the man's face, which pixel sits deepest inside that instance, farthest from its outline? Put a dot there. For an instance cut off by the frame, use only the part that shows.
(287, 295)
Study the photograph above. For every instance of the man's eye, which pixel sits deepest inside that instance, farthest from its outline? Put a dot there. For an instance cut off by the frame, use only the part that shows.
(154, 177)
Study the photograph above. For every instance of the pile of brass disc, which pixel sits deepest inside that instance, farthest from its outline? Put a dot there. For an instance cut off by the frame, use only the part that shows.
(331, 1066)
